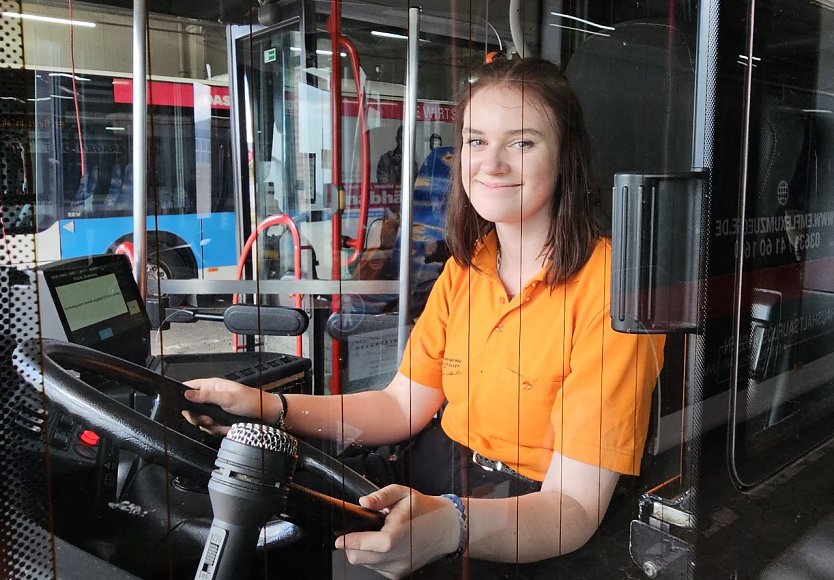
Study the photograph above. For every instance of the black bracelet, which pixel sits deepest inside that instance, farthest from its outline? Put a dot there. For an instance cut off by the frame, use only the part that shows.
(283, 415)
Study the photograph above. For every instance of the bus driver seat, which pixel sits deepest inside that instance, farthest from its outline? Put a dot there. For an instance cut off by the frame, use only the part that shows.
(636, 87)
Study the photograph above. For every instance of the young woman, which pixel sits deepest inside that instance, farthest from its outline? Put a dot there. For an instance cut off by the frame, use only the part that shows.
(543, 405)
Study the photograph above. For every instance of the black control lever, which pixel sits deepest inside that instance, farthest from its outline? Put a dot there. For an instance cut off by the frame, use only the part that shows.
(239, 318)
(255, 466)
(248, 486)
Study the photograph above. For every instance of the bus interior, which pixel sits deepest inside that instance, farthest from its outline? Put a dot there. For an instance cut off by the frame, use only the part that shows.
(268, 244)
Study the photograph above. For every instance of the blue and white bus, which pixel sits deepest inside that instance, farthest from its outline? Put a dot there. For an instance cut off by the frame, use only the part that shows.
(78, 171)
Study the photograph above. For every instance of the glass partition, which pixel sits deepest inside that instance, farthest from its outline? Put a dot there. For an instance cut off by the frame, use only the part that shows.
(784, 397)
(245, 206)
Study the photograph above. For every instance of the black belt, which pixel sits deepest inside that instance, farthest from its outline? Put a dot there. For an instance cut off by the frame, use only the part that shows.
(498, 466)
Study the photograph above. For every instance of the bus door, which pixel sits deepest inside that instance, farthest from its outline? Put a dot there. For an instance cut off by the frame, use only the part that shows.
(281, 83)
(278, 144)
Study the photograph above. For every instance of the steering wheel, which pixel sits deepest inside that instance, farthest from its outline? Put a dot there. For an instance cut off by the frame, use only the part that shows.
(49, 362)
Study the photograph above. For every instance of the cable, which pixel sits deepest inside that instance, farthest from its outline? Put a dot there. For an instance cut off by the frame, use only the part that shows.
(75, 93)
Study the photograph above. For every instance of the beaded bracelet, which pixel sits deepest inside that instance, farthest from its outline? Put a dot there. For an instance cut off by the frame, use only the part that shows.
(283, 415)
(463, 543)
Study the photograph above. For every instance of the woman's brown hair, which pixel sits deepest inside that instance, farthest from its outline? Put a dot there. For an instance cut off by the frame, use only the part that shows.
(574, 228)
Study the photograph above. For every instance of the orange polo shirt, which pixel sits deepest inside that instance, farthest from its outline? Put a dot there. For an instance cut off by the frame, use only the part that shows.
(539, 372)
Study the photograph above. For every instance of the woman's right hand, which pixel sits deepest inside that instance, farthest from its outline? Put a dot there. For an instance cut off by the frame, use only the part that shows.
(233, 398)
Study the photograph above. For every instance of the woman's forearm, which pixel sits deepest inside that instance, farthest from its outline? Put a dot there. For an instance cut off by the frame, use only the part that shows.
(527, 528)
(370, 417)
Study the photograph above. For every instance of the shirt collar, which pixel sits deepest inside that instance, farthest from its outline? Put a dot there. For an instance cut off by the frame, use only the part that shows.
(485, 257)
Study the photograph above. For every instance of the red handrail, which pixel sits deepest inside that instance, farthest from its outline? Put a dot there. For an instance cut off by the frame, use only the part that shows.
(273, 220)
(358, 243)
(334, 26)
(337, 43)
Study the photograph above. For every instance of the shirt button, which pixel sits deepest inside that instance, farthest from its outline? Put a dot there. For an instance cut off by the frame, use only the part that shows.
(527, 385)
(502, 300)
(499, 328)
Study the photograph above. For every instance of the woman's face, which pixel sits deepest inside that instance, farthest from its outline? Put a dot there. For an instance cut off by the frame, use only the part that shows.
(509, 157)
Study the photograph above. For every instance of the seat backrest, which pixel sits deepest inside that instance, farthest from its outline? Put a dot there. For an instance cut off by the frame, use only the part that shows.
(636, 87)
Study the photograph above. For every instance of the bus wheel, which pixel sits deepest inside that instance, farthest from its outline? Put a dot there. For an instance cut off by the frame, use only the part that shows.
(168, 264)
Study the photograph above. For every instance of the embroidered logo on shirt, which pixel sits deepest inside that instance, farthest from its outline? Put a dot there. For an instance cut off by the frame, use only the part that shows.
(451, 366)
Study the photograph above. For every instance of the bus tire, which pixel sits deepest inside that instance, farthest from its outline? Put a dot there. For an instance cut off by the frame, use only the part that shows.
(168, 264)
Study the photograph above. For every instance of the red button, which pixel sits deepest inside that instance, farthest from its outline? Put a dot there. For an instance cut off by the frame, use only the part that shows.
(89, 437)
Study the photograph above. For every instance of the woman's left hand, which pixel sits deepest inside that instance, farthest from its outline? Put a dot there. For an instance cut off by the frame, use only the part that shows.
(418, 529)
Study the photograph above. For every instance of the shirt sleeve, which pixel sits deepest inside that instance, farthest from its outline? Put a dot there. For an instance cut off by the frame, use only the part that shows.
(601, 414)
(423, 355)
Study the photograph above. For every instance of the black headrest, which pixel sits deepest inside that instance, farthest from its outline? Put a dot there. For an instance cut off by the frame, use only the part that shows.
(636, 87)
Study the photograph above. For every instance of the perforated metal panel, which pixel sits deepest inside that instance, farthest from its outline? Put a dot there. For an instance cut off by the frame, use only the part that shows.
(25, 541)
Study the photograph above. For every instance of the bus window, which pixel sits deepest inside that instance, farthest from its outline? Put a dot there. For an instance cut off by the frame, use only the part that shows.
(27, 152)
(17, 207)
(79, 150)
